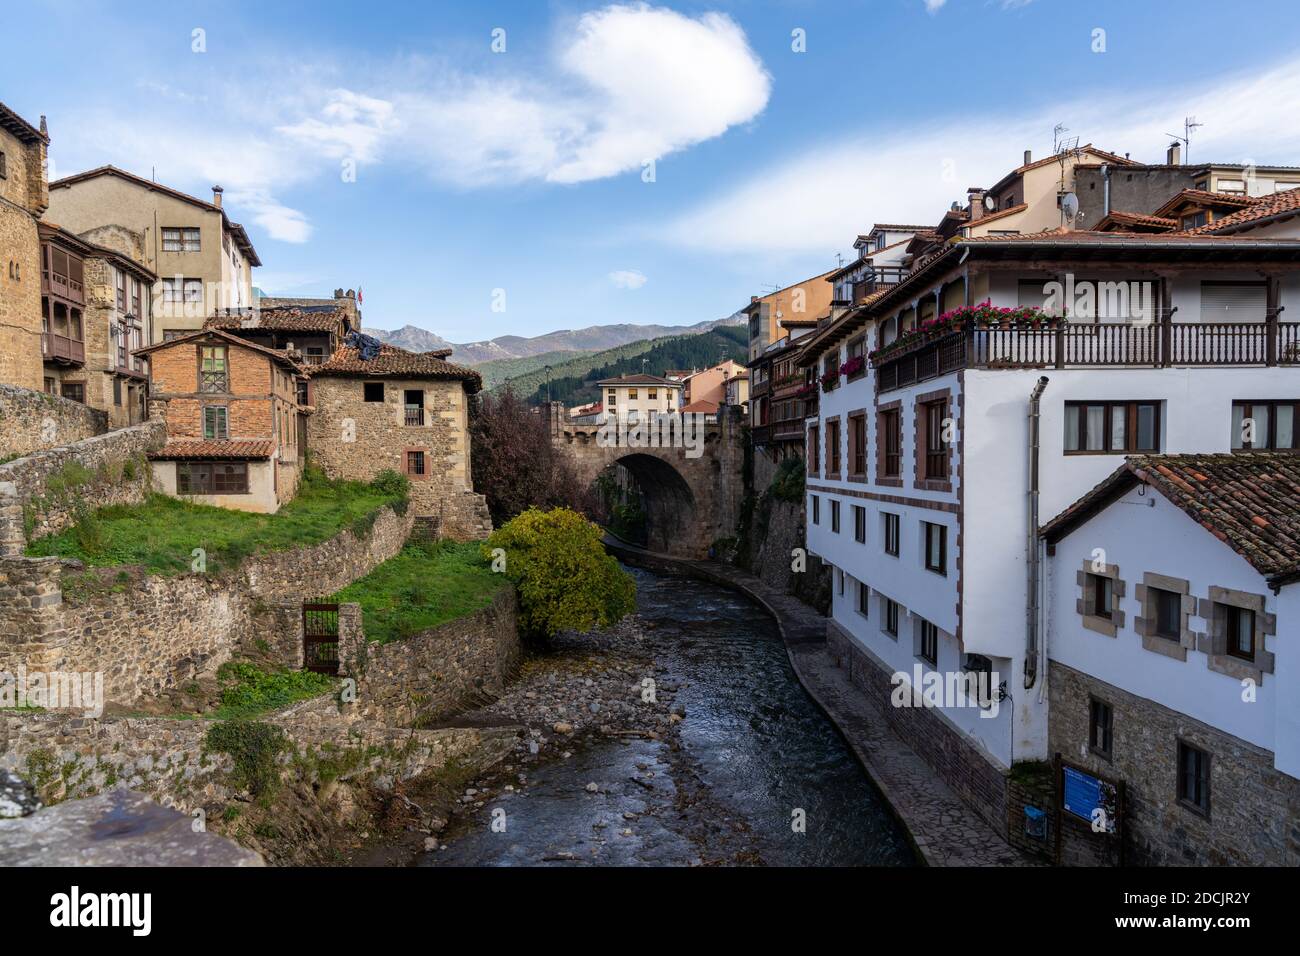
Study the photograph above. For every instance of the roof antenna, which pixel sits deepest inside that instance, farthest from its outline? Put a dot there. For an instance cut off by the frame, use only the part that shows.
(1189, 126)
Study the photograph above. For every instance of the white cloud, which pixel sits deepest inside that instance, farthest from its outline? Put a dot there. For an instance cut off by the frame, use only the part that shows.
(627, 279)
(817, 200)
(350, 126)
(933, 6)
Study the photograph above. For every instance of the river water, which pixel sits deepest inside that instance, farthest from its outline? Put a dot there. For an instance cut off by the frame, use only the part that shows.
(759, 775)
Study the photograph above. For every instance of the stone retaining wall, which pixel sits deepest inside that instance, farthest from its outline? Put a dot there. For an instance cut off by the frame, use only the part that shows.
(45, 492)
(147, 633)
(32, 421)
(436, 672)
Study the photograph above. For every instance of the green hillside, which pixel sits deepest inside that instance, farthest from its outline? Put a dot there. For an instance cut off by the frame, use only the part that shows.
(573, 382)
(498, 370)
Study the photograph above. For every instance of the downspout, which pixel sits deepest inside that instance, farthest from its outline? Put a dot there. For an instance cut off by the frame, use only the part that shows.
(1105, 190)
(1031, 604)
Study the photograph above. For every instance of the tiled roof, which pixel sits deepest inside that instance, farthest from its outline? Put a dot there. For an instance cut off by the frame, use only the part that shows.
(1135, 219)
(280, 319)
(178, 448)
(1281, 205)
(19, 127)
(702, 407)
(1249, 501)
(1204, 197)
(1000, 214)
(399, 363)
(278, 355)
(895, 227)
(638, 380)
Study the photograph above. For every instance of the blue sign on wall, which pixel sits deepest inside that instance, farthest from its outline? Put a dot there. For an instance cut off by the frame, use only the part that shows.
(1090, 799)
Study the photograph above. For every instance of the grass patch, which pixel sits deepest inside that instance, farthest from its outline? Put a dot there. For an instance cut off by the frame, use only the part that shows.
(427, 584)
(162, 533)
(248, 691)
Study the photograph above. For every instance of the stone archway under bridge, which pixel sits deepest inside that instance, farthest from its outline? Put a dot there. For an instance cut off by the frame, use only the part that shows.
(691, 496)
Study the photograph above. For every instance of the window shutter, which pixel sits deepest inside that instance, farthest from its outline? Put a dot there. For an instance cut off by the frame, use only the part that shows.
(1233, 302)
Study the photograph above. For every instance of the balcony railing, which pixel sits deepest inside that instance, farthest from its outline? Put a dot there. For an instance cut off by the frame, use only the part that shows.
(61, 348)
(414, 415)
(1160, 344)
(882, 277)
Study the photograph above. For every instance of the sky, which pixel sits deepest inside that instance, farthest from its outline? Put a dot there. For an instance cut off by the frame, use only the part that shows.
(491, 168)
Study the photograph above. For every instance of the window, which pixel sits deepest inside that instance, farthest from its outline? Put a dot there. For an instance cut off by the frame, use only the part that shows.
(814, 451)
(211, 478)
(839, 577)
(858, 445)
(1194, 220)
(890, 624)
(1193, 777)
(315, 354)
(1112, 428)
(414, 407)
(76, 391)
(1099, 727)
(213, 369)
(215, 423)
(372, 392)
(1101, 589)
(1264, 426)
(936, 547)
(176, 239)
(929, 650)
(891, 431)
(613, 397)
(859, 524)
(864, 600)
(857, 350)
(835, 516)
(1234, 301)
(1168, 607)
(816, 509)
(652, 393)
(415, 464)
(631, 394)
(117, 391)
(182, 290)
(1239, 628)
(979, 675)
(121, 290)
(891, 533)
(936, 448)
(833, 449)
(4, 167)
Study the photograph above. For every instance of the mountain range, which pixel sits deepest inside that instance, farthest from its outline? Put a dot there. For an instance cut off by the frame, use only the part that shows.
(591, 339)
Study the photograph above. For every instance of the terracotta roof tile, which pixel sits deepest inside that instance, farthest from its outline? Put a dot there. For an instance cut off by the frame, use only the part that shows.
(178, 448)
(1136, 219)
(280, 319)
(638, 380)
(397, 363)
(1281, 205)
(281, 356)
(1250, 501)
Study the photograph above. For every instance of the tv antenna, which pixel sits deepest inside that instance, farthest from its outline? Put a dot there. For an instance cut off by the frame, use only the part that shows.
(1063, 145)
(1189, 126)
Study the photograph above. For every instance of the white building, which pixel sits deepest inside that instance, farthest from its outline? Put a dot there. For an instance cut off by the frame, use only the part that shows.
(634, 398)
(1173, 608)
(921, 461)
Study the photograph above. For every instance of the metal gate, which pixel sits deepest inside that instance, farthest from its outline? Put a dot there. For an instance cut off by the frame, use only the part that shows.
(320, 637)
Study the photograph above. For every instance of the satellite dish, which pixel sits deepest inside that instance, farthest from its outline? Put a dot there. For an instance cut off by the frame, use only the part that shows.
(1070, 205)
(990, 203)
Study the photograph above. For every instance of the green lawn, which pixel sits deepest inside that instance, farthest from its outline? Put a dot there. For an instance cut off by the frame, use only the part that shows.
(247, 691)
(162, 533)
(427, 584)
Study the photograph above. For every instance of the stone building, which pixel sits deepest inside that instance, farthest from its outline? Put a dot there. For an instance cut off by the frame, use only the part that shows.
(235, 422)
(404, 411)
(95, 315)
(1173, 605)
(345, 300)
(24, 197)
(314, 331)
(203, 260)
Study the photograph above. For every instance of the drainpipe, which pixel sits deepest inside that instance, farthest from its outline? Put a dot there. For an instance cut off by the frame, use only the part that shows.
(1031, 604)
(1105, 190)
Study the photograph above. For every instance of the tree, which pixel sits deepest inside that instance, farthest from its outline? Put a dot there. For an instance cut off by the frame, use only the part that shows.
(565, 579)
(515, 466)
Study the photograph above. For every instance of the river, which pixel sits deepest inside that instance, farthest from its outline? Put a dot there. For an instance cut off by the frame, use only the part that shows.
(758, 774)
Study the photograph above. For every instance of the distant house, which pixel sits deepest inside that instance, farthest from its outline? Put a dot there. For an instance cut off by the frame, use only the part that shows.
(635, 398)
(405, 411)
(710, 384)
(235, 422)
(314, 331)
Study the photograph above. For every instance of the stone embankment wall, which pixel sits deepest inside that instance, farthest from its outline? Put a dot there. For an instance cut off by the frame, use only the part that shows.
(66, 756)
(148, 633)
(45, 492)
(33, 421)
(436, 672)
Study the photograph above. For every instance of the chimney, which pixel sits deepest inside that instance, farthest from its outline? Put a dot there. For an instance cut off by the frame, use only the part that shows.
(975, 196)
(1175, 155)
(1029, 157)
(216, 196)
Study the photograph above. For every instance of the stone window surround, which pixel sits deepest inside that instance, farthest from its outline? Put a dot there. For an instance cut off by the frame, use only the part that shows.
(1093, 622)
(1145, 625)
(866, 444)
(919, 426)
(406, 466)
(1214, 643)
(889, 481)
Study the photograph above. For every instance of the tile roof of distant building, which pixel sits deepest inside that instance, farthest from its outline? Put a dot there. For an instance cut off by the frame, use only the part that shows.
(282, 319)
(1204, 197)
(180, 448)
(1000, 214)
(394, 362)
(1277, 207)
(639, 379)
(701, 407)
(283, 356)
(1134, 219)
(1250, 501)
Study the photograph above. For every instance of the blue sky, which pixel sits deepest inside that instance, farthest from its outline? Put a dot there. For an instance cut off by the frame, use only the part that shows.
(524, 170)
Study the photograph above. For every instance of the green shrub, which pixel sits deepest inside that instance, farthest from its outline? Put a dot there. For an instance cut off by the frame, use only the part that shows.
(248, 691)
(254, 747)
(788, 482)
(392, 483)
(565, 579)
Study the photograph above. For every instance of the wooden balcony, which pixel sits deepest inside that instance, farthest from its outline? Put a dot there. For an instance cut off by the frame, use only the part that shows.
(882, 277)
(1160, 344)
(60, 348)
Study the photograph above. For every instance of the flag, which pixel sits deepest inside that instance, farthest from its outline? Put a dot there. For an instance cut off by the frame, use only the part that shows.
(358, 295)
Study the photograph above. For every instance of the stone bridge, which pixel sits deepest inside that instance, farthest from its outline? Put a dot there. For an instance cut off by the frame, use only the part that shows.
(691, 497)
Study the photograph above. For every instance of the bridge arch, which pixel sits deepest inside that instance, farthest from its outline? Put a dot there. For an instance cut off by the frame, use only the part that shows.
(666, 497)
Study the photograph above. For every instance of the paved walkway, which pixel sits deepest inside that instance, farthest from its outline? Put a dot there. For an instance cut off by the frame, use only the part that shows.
(946, 832)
